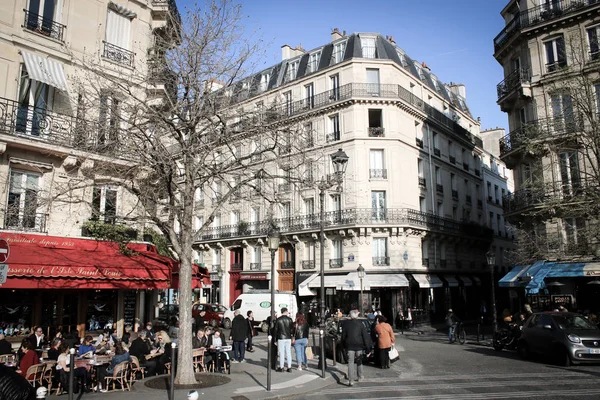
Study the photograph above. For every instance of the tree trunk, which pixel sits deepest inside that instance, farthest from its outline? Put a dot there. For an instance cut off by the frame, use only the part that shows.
(185, 367)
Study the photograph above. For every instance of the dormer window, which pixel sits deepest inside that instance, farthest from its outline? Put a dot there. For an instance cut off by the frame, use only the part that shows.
(368, 47)
(292, 70)
(264, 81)
(402, 58)
(338, 52)
(313, 62)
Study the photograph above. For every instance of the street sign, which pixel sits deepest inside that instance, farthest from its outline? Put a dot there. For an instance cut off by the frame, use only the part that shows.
(4, 250)
(3, 273)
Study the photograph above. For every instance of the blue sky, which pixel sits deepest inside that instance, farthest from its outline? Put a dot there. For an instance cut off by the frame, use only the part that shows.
(454, 38)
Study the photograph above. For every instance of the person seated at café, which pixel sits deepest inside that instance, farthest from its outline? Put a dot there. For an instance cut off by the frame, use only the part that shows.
(126, 335)
(163, 342)
(29, 357)
(140, 348)
(54, 351)
(5, 346)
(86, 346)
(150, 335)
(215, 342)
(200, 341)
(37, 338)
(63, 368)
(120, 356)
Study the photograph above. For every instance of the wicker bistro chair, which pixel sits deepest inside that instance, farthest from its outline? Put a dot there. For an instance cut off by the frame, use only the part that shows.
(47, 376)
(34, 374)
(119, 375)
(198, 360)
(135, 369)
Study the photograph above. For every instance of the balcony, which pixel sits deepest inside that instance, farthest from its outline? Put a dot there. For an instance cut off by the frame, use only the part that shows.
(117, 54)
(308, 264)
(507, 33)
(452, 159)
(422, 182)
(381, 261)
(454, 194)
(439, 188)
(539, 130)
(419, 142)
(333, 137)
(376, 132)
(378, 173)
(44, 26)
(513, 81)
(255, 266)
(287, 265)
(215, 267)
(437, 152)
(336, 262)
(25, 221)
(556, 66)
(236, 266)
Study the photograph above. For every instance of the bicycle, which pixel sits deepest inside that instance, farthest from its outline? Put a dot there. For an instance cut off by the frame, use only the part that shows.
(459, 333)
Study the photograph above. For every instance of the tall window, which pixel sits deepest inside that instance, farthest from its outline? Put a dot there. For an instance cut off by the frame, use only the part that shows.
(198, 222)
(334, 82)
(104, 204)
(235, 220)
(309, 206)
(574, 234)
(569, 172)
(309, 135)
(257, 255)
(288, 102)
(338, 52)
(337, 252)
(422, 204)
(217, 221)
(292, 70)
(264, 81)
(22, 200)
(334, 128)
(377, 169)
(216, 256)
(555, 54)
(373, 81)
(254, 218)
(368, 47)
(380, 254)
(41, 14)
(108, 120)
(378, 207)
(35, 99)
(593, 34)
(562, 112)
(313, 62)
(309, 95)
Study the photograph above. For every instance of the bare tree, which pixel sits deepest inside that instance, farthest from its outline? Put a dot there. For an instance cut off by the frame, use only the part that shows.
(184, 125)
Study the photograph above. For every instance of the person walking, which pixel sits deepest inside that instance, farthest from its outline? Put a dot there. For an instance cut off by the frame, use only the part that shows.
(301, 340)
(451, 321)
(355, 339)
(283, 332)
(239, 333)
(251, 331)
(385, 340)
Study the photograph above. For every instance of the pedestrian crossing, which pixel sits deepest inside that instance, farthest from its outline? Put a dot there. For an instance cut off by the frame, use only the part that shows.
(563, 384)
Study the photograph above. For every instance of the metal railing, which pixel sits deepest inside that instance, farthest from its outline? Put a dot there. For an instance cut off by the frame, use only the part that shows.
(422, 182)
(381, 261)
(378, 173)
(215, 267)
(336, 262)
(44, 26)
(376, 132)
(550, 193)
(348, 218)
(512, 81)
(255, 266)
(439, 188)
(287, 265)
(117, 54)
(236, 266)
(333, 137)
(308, 264)
(20, 220)
(507, 33)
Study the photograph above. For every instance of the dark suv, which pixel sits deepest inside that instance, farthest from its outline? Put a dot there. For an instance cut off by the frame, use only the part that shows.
(334, 328)
(214, 313)
(569, 338)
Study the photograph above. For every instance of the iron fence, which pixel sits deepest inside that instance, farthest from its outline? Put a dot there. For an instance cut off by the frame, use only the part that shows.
(44, 26)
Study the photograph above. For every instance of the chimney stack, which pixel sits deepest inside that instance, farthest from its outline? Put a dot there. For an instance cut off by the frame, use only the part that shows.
(459, 89)
(391, 39)
(335, 35)
(286, 52)
(424, 64)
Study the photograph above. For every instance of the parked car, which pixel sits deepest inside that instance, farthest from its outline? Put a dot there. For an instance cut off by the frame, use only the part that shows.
(333, 332)
(214, 313)
(569, 338)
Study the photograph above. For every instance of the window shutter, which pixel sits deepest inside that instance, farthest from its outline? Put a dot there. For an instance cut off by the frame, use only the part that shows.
(562, 56)
(118, 29)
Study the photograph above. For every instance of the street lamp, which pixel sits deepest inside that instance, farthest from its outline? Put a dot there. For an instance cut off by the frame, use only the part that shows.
(491, 261)
(361, 275)
(273, 242)
(220, 276)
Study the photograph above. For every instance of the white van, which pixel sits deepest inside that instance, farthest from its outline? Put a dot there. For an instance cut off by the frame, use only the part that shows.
(260, 304)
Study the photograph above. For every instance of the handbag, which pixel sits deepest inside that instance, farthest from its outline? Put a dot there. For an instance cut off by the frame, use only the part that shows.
(393, 354)
(309, 353)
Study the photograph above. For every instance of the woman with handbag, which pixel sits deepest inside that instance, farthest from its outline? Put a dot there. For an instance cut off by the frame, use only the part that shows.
(300, 340)
(385, 340)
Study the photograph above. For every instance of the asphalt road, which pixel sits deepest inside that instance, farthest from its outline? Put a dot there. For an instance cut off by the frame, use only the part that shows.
(430, 368)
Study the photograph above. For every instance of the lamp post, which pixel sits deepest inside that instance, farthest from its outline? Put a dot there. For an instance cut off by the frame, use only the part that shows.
(273, 242)
(361, 274)
(220, 276)
(491, 261)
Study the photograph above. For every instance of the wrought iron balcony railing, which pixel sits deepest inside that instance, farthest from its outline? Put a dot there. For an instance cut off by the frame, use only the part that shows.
(286, 265)
(512, 81)
(44, 26)
(378, 173)
(436, 151)
(333, 137)
(255, 266)
(215, 267)
(349, 218)
(381, 261)
(118, 54)
(376, 132)
(422, 182)
(507, 33)
(308, 264)
(21, 220)
(336, 262)
(236, 266)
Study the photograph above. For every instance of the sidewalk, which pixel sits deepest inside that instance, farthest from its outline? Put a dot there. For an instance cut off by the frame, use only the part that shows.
(248, 381)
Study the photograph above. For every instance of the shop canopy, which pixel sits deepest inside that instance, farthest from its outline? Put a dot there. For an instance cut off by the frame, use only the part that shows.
(200, 277)
(50, 262)
(465, 280)
(427, 281)
(575, 270)
(519, 276)
(452, 281)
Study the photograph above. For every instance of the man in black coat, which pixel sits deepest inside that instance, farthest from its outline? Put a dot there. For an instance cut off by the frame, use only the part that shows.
(355, 339)
(239, 332)
(140, 348)
(199, 320)
(13, 386)
(37, 338)
(5, 346)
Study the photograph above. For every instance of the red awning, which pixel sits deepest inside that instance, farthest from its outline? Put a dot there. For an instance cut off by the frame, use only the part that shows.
(200, 278)
(50, 262)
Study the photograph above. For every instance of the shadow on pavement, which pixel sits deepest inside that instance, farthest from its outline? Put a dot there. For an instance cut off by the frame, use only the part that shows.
(259, 383)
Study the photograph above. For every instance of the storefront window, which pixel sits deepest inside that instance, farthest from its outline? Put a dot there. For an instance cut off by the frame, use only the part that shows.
(101, 309)
(16, 311)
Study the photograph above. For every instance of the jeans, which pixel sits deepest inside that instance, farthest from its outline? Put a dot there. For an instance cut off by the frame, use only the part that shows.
(355, 356)
(239, 350)
(300, 347)
(285, 349)
(451, 332)
(249, 345)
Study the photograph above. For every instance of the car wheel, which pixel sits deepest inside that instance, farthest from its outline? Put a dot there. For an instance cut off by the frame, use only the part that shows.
(214, 323)
(563, 358)
(498, 346)
(523, 350)
(227, 323)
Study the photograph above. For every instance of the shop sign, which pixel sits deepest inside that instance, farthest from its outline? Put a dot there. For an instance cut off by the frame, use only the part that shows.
(254, 277)
(563, 299)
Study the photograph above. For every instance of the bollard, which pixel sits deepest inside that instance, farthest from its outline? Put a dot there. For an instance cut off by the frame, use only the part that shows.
(482, 326)
(402, 325)
(71, 373)
(478, 331)
(334, 352)
(322, 357)
(269, 355)
(173, 366)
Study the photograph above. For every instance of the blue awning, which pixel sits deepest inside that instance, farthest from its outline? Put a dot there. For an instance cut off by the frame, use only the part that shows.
(538, 271)
(575, 270)
(512, 279)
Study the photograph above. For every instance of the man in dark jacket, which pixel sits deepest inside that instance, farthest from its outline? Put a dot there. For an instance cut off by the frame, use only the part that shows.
(355, 339)
(250, 322)
(284, 327)
(13, 386)
(239, 332)
(140, 348)
(5, 346)
(199, 320)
